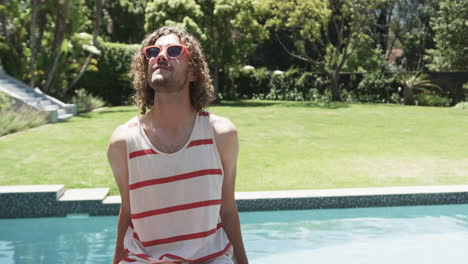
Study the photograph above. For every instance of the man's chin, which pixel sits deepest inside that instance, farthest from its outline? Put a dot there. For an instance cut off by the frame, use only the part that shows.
(158, 80)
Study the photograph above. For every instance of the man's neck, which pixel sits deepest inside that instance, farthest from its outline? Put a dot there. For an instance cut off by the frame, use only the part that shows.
(172, 111)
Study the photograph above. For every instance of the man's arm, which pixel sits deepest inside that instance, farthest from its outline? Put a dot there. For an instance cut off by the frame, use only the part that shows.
(117, 157)
(228, 146)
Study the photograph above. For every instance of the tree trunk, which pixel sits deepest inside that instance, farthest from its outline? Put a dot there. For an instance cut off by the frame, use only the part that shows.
(97, 22)
(41, 23)
(215, 52)
(216, 79)
(216, 70)
(32, 40)
(408, 97)
(335, 86)
(57, 44)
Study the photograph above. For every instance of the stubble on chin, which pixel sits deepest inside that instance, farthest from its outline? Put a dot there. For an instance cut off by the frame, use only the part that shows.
(161, 84)
(157, 82)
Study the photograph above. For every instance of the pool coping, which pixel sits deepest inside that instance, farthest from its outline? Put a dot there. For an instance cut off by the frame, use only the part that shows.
(54, 200)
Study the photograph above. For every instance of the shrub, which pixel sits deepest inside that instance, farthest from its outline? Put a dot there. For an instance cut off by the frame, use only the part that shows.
(14, 119)
(285, 86)
(461, 105)
(86, 102)
(244, 82)
(277, 86)
(111, 81)
(349, 96)
(375, 88)
(5, 102)
(431, 99)
(415, 82)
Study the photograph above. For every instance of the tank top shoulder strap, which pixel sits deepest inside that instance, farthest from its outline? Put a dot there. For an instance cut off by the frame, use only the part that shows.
(133, 138)
(205, 130)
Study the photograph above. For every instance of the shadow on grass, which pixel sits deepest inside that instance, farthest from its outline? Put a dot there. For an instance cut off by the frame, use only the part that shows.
(251, 103)
(114, 110)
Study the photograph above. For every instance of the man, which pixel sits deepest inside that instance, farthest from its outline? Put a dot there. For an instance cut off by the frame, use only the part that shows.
(175, 166)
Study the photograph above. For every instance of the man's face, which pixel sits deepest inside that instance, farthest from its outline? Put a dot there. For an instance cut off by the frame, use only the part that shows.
(166, 74)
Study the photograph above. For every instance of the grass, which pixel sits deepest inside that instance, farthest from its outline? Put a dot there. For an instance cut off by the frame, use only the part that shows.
(283, 146)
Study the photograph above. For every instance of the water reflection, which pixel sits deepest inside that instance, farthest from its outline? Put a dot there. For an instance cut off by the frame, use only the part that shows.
(57, 240)
(268, 236)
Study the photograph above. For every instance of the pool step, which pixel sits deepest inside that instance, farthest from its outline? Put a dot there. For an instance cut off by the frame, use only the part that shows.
(76, 195)
(54, 200)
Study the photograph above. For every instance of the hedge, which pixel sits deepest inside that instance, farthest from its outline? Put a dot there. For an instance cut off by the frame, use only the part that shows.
(111, 81)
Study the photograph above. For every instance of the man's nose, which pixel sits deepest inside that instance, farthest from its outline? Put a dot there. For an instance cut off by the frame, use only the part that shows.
(162, 56)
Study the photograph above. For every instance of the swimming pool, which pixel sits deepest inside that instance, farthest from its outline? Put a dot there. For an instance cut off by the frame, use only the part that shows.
(413, 234)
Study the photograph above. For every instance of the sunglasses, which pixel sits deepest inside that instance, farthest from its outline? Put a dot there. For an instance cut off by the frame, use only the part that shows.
(173, 51)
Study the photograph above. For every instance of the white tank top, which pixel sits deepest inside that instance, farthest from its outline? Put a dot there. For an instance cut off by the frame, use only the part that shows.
(175, 198)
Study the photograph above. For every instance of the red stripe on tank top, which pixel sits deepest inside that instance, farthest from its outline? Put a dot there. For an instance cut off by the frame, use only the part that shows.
(179, 177)
(202, 259)
(148, 258)
(141, 153)
(176, 208)
(200, 142)
(203, 114)
(180, 238)
(143, 256)
(135, 235)
(127, 259)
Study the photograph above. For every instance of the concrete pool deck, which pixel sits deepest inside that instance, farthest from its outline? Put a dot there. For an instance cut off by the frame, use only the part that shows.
(54, 200)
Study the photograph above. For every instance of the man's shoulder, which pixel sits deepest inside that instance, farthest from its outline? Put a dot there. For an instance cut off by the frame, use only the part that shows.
(222, 125)
(118, 138)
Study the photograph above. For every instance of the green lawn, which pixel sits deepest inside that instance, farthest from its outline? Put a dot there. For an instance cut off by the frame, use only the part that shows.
(283, 145)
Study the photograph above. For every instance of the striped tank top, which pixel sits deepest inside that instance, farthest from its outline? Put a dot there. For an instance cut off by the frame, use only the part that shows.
(175, 198)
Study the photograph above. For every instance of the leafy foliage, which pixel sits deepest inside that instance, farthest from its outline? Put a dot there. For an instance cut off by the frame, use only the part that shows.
(124, 21)
(376, 87)
(85, 101)
(431, 99)
(109, 80)
(413, 83)
(451, 37)
(14, 119)
(461, 105)
(326, 32)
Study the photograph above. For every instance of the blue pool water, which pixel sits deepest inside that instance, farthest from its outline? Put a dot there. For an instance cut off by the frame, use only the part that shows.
(422, 234)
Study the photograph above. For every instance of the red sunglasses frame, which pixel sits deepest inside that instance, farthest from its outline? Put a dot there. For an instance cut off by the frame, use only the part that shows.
(184, 48)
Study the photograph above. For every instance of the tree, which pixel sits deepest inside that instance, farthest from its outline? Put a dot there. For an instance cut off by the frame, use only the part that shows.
(97, 24)
(123, 20)
(413, 83)
(418, 37)
(326, 32)
(43, 53)
(59, 35)
(14, 51)
(32, 39)
(451, 37)
(404, 24)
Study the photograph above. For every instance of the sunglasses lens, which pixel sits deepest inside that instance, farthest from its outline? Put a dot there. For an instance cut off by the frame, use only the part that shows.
(174, 51)
(152, 52)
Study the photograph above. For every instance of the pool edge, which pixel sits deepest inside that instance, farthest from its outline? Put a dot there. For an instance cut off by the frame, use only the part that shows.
(20, 203)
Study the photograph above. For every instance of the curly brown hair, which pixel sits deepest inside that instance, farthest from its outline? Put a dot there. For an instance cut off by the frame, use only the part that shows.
(201, 91)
